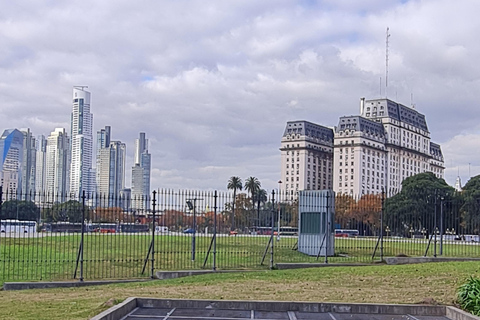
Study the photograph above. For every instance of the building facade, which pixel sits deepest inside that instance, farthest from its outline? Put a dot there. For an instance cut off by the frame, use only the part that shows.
(57, 165)
(81, 173)
(377, 150)
(40, 163)
(11, 163)
(306, 158)
(111, 173)
(364, 154)
(140, 190)
(29, 165)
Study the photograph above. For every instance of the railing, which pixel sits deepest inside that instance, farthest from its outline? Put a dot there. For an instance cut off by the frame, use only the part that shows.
(97, 237)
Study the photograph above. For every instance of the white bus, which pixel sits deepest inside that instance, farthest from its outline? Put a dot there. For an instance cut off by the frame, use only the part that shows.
(17, 226)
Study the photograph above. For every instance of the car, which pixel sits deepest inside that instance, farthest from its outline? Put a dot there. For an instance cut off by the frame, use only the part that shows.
(189, 230)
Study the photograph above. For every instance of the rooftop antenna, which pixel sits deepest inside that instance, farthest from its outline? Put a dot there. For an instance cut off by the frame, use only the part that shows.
(386, 62)
(380, 87)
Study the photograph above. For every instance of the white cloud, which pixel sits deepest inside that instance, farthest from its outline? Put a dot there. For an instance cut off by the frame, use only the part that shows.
(213, 84)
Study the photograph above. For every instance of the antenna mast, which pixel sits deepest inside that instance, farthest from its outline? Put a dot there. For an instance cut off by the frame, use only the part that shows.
(386, 62)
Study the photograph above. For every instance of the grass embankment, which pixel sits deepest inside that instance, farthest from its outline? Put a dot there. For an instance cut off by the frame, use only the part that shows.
(374, 284)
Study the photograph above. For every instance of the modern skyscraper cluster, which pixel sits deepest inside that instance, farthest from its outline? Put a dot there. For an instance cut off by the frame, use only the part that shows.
(363, 154)
(60, 166)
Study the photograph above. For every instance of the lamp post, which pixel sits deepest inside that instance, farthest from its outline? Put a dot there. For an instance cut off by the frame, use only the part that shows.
(411, 232)
(191, 206)
(424, 233)
(387, 230)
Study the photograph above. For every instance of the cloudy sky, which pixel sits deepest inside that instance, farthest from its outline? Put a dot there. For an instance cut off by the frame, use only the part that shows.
(213, 83)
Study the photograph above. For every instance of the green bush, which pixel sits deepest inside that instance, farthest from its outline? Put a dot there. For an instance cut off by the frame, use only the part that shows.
(469, 296)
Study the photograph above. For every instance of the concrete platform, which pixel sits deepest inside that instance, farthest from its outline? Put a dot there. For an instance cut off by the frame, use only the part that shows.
(145, 308)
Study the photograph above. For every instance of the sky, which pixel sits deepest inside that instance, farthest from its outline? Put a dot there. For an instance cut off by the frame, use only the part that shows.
(213, 83)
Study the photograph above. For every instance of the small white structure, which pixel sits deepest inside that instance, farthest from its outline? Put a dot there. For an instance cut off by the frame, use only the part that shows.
(316, 209)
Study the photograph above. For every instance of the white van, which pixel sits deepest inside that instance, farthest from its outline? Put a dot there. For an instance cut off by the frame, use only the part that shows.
(161, 229)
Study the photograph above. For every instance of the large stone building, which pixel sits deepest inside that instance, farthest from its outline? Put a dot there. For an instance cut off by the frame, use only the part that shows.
(307, 157)
(373, 151)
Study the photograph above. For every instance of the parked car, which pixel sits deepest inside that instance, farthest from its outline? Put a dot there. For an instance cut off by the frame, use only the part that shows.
(189, 230)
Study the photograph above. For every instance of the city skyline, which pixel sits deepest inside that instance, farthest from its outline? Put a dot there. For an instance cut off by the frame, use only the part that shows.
(215, 93)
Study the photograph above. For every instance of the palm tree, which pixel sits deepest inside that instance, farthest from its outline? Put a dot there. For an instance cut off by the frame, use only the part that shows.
(260, 197)
(234, 183)
(252, 185)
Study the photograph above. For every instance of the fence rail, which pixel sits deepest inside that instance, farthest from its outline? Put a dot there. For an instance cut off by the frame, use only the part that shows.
(51, 237)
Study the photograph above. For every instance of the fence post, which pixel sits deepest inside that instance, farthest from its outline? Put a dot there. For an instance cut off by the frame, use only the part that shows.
(327, 230)
(82, 236)
(381, 224)
(215, 231)
(153, 234)
(1, 199)
(273, 230)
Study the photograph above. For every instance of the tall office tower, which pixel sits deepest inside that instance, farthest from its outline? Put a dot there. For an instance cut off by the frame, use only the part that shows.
(103, 141)
(377, 150)
(81, 143)
(141, 175)
(40, 163)
(11, 163)
(29, 165)
(57, 165)
(307, 158)
(111, 173)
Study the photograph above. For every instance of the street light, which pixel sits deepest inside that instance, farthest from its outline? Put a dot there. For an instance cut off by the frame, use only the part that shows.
(192, 206)
(387, 230)
(424, 233)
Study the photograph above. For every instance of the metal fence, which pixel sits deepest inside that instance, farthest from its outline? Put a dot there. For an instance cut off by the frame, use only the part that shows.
(51, 237)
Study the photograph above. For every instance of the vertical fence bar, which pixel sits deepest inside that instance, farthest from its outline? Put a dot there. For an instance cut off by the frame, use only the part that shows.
(82, 236)
(273, 229)
(382, 213)
(327, 229)
(152, 275)
(215, 231)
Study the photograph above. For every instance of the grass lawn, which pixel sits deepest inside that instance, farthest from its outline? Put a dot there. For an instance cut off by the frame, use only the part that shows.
(375, 284)
(120, 256)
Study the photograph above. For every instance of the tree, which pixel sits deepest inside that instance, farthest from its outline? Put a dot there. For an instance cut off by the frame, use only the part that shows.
(260, 197)
(21, 210)
(252, 185)
(70, 211)
(416, 207)
(470, 208)
(234, 183)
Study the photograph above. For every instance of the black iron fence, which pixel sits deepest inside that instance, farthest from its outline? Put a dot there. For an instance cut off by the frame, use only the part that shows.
(51, 237)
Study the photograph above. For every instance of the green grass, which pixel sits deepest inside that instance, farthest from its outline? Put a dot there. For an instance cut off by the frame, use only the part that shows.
(119, 256)
(436, 282)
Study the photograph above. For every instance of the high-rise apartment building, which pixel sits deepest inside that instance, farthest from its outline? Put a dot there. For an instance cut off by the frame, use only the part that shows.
(40, 163)
(377, 150)
(57, 165)
(307, 158)
(368, 153)
(141, 175)
(110, 168)
(11, 163)
(81, 143)
(29, 165)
